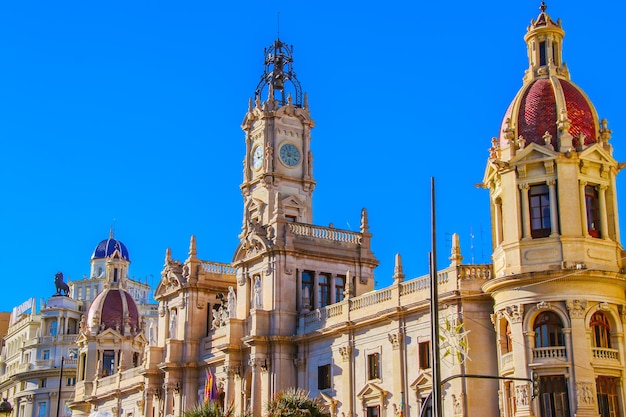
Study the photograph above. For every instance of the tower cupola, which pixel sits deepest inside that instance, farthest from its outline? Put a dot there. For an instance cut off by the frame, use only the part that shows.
(551, 171)
(278, 73)
(544, 40)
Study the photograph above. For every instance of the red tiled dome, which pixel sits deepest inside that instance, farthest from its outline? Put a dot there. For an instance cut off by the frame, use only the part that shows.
(536, 109)
(114, 306)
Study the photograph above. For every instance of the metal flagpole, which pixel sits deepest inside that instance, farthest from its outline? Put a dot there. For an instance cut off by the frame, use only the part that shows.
(434, 311)
(60, 385)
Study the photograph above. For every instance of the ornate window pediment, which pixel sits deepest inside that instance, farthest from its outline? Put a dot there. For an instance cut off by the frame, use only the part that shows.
(372, 394)
(423, 384)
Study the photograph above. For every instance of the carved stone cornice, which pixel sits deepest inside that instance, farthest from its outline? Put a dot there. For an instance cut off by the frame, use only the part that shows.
(576, 308)
(346, 353)
(299, 363)
(542, 305)
(395, 339)
(514, 313)
(232, 370)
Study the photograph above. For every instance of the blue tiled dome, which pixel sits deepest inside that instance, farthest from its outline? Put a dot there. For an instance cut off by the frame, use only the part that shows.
(107, 247)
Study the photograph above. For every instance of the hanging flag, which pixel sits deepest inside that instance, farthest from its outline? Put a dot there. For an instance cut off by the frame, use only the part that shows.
(210, 388)
(207, 386)
(400, 411)
(213, 394)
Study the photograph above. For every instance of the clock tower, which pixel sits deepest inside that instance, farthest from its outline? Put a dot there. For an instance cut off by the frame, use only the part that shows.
(278, 162)
(285, 266)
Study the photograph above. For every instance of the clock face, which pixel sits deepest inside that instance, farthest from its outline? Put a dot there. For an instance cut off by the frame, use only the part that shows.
(257, 157)
(289, 154)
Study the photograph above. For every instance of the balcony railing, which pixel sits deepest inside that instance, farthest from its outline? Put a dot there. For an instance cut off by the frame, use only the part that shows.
(218, 268)
(325, 233)
(554, 352)
(605, 354)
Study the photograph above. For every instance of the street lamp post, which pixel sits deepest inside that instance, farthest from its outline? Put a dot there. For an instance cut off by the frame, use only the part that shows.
(60, 385)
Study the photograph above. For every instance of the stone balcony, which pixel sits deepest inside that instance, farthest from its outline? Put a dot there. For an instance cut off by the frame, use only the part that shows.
(415, 292)
(553, 354)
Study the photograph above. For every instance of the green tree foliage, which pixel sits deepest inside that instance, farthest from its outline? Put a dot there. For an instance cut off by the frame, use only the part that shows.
(208, 409)
(295, 402)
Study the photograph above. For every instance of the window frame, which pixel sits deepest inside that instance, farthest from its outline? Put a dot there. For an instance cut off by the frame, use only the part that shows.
(424, 355)
(548, 330)
(323, 289)
(608, 396)
(554, 395)
(539, 210)
(324, 380)
(600, 330)
(373, 411)
(340, 287)
(592, 208)
(373, 366)
(310, 283)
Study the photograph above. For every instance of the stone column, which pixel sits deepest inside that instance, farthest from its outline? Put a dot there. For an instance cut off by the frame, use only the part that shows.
(315, 301)
(348, 398)
(397, 345)
(497, 207)
(525, 214)
(583, 208)
(554, 221)
(581, 384)
(299, 290)
(256, 406)
(604, 222)
(231, 371)
(522, 351)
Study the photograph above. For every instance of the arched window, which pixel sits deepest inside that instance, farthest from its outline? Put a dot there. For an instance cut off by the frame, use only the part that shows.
(53, 328)
(548, 330)
(601, 331)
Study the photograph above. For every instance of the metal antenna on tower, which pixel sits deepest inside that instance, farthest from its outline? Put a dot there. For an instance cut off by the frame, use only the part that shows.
(472, 243)
(277, 25)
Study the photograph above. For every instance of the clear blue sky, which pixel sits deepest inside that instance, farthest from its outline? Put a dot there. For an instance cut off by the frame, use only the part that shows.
(131, 111)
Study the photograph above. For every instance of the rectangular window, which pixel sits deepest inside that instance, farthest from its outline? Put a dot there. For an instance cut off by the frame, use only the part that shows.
(307, 289)
(71, 382)
(340, 287)
(323, 377)
(45, 354)
(42, 409)
(323, 283)
(542, 53)
(43, 382)
(373, 366)
(554, 400)
(108, 362)
(593, 210)
(608, 389)
(424, 355)
(540, 225)
(373, 411)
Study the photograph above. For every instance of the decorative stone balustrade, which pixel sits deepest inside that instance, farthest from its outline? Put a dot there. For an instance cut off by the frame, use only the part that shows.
(325, 233)
(370, 299)
(475, 272)
(546, 353)
(217, 268)
(605, 354)
(402, 294)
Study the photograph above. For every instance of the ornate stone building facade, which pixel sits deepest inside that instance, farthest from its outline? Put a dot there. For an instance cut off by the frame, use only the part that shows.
(39, 355)
(297, 305)
(558, 284)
